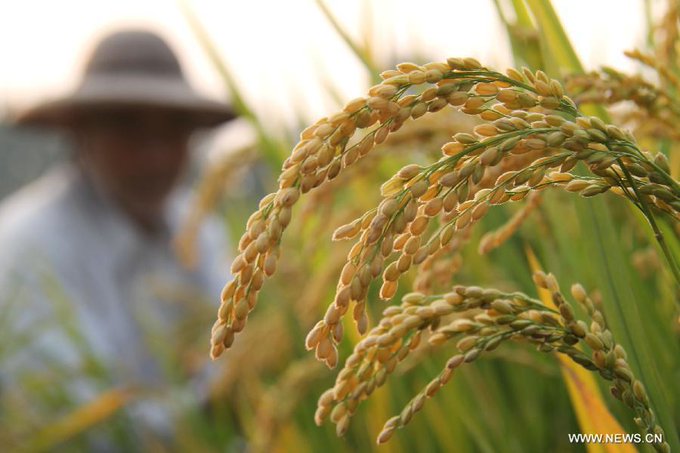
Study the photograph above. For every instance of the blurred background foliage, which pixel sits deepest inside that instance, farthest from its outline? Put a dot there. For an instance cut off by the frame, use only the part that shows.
(264, 394)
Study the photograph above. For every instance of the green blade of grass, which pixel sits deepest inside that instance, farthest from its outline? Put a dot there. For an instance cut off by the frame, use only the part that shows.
(622, 306)
(361, 53)
(559, 53)
(524, 44)
(272, 151)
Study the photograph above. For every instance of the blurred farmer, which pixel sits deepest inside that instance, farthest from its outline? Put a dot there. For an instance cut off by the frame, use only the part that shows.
(86, 263)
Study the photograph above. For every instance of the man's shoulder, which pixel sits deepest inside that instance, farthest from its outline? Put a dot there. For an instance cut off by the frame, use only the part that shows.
(34, 212)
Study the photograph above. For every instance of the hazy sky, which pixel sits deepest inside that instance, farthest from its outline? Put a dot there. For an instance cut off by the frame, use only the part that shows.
(283, 53)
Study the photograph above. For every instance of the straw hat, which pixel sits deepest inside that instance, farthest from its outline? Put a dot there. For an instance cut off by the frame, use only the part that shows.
(130, 69)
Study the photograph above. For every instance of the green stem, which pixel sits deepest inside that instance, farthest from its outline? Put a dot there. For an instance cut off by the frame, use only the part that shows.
(360, 52)
(650, 217)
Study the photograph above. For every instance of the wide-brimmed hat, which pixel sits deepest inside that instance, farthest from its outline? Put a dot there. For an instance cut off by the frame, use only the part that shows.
(130, 69)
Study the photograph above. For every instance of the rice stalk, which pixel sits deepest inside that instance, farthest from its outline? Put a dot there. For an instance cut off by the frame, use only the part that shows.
(657, 113)
(628, 318)
(667, 76)
(589, 406)
(80, 420)
(668, 35)
(530, 137)
(523, 113)
(491, 317)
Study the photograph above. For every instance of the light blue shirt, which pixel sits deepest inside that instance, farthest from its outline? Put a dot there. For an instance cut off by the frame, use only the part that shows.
(73, 265)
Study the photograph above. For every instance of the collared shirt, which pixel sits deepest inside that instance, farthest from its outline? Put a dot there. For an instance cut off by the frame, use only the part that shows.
(78, 279)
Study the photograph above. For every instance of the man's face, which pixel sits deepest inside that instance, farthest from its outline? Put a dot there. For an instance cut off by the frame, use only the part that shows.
(135, 155)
